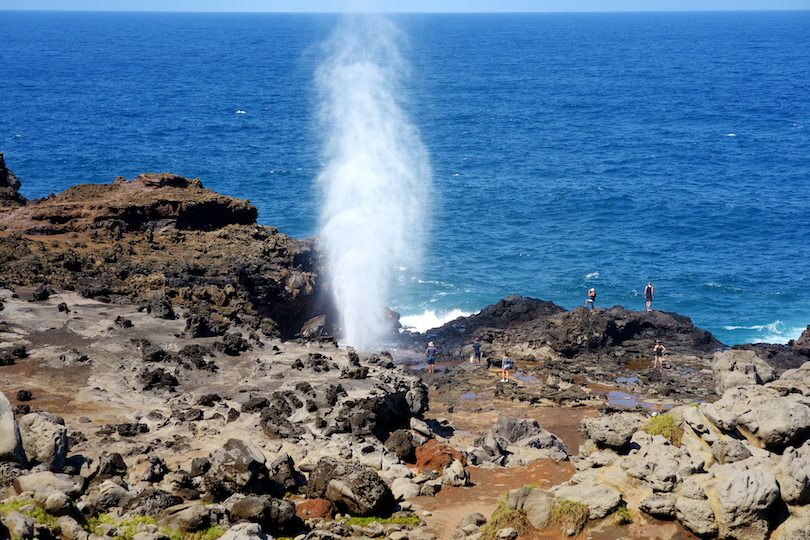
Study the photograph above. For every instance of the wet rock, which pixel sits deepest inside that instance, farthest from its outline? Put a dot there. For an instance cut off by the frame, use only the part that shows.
(24, 395)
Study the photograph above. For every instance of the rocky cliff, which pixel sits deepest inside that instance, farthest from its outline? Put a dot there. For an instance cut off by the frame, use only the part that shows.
(164, 241)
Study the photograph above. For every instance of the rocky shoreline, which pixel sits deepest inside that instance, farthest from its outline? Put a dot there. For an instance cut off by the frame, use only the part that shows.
(169, 369)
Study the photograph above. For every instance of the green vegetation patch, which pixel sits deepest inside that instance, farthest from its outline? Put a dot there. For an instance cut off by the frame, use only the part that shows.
(506, 517)
(211, 533)
(569, 515)
(621, 515)
(665, 425)
(413, 520)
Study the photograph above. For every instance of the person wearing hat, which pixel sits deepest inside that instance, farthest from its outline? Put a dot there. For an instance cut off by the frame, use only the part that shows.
(476, 352)
(430, 353)
(658, 354)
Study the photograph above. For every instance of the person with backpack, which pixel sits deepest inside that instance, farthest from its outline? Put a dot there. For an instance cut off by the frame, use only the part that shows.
(591, 298)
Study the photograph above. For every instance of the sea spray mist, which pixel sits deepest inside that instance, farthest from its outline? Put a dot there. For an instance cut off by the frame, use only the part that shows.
(376, 179)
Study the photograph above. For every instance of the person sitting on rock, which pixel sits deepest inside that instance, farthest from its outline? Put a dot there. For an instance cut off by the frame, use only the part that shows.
(658, 354)
(591, 298)
(475, 358)
(430, 353)
(506, 365)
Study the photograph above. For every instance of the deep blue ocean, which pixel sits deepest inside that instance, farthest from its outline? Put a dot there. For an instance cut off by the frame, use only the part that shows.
(568, 151)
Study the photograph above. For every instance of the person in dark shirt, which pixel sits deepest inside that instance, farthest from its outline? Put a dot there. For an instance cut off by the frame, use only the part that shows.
(430, 353)
(476, 352)
(648, 294)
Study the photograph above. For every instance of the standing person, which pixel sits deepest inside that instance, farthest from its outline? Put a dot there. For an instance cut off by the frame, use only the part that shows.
(476, 352)
(506, 365)
(430, 353)
(658, 354)
(648, 294)
(591, 298)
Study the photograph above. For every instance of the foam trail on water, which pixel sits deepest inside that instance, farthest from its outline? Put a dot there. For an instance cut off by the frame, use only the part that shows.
(377, 173)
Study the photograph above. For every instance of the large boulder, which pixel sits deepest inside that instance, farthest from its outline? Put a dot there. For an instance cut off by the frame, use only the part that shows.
(352, 488)
(71, 486)
(735, 368)
(152, 502)
(44, 439)
(512, 434)
(763, 413)
(743, 503)
(185, 517)
(244, 531)
(274, 515)
(534, 502)
(238, 467)
(613, 431)
(435, 456)
(600, 499)
(11, 448)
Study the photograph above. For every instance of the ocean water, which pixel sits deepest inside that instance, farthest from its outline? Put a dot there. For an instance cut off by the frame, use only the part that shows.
(568, 151)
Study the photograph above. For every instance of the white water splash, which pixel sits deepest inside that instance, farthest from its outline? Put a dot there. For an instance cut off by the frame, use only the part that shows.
(377, 174)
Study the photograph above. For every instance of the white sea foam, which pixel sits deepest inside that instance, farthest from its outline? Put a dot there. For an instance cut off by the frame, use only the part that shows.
(377, 174)
(592, 275)
(775, 332)
(430, 319)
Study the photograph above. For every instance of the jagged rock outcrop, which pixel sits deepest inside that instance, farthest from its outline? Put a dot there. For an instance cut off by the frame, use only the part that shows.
(162, 237)
(740, 469)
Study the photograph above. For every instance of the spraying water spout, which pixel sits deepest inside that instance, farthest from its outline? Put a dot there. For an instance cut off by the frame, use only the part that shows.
(377, 174)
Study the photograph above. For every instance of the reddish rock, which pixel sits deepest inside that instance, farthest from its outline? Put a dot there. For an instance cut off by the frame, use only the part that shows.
(315, 508)
(436, 456)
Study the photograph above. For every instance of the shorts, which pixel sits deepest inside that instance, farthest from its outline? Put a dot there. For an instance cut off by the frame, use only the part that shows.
(431, 360)
(507, 366)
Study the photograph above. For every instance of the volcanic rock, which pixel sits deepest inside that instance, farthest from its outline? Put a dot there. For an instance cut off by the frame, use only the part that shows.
(352, 488)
